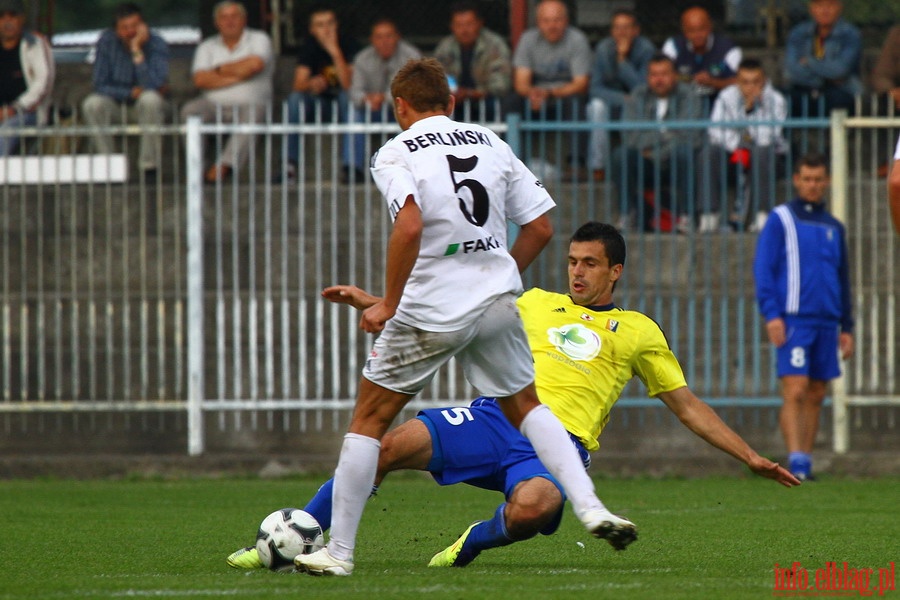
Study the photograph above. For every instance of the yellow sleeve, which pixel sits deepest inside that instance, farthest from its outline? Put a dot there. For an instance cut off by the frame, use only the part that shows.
(656, 365)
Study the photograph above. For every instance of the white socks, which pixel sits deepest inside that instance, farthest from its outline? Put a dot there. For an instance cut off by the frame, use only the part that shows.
(558, 453)
(353, 481)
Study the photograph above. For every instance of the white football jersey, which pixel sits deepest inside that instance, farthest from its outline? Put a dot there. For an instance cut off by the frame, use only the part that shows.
(467, 182)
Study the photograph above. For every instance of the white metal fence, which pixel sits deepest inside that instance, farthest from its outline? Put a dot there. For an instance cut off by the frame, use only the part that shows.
(859, 197)
(170, 294)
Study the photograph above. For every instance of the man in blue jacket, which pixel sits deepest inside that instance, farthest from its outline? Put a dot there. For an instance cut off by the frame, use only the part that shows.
(803, 290)
(822, 61)
(131, 70)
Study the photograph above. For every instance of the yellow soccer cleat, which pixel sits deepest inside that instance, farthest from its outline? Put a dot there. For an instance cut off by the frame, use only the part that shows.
(449, 556)
(245, 558)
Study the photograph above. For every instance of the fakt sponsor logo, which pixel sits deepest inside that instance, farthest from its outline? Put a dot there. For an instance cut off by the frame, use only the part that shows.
(835, 579)
(469, 246)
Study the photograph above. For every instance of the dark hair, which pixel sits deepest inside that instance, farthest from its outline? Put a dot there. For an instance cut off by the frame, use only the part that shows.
(125, 9)
(320, 7)
(751, 64)
(463, 6)
(624, 12)
(606, 234)
(423, 84)
(384, 20)
(812, 160)
(659, 57)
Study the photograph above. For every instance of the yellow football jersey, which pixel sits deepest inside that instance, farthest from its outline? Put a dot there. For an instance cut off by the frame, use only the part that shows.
(583, 358)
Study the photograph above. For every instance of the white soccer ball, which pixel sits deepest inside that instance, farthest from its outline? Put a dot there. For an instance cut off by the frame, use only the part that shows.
(285, 534)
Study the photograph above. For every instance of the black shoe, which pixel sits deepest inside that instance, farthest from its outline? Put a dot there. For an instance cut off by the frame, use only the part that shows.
(149, 175)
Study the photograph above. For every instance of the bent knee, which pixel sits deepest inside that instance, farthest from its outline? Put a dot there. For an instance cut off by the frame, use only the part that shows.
(150, 99)
(389, 452)
(527, 516)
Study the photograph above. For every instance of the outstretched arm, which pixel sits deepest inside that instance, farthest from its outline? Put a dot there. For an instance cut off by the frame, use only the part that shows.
(703, 420)
(356, 297)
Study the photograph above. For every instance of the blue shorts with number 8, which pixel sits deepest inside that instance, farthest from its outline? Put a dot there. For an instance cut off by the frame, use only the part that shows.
(810, 351)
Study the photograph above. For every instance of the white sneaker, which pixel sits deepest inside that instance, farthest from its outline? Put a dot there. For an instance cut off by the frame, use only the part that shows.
(684, 224)
(709, 223)
(322, 563)
(759, 221)
(603, 524)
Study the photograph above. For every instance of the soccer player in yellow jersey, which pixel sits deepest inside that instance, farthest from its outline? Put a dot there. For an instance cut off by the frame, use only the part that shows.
(585, 350)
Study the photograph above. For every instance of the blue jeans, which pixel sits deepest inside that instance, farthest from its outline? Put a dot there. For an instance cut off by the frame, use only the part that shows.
(354, 154)
(668, 172)
(10, 143)
(315, 109)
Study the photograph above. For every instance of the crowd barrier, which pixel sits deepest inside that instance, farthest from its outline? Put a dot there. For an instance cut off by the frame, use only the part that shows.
(163, 293)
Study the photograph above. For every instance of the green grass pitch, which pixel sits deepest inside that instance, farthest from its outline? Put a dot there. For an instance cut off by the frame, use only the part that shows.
(704, 538)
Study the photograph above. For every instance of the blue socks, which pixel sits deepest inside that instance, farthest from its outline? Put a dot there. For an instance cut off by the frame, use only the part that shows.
(800, 464)
(320, 505)
(485, 535)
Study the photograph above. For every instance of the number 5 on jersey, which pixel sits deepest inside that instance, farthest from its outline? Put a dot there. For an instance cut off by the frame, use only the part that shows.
(481, 204)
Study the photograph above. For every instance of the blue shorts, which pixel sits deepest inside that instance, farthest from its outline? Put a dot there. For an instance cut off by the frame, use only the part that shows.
(811, 351)
(477, 445)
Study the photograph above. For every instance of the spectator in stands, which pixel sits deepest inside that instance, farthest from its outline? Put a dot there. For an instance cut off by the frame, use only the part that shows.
(131, 72)
(552, 62)
(370, 89)
(478, 62)
(26, 75)
(886, 74)
(620, 65)
(707, 60)
(756, 153)
(321, 79)
(821, 61)
(234, 70)
(551, 70)
(654, 167)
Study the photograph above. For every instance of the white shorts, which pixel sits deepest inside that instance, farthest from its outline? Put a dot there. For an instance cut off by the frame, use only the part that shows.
(493, 352)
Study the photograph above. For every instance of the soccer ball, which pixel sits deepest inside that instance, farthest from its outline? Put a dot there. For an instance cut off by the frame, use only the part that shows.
(286, 533)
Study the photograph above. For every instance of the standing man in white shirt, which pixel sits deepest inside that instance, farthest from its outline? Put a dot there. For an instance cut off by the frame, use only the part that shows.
(450, 290)
(234, 69)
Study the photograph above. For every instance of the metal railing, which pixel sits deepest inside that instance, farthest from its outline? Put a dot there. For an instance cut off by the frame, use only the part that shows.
(170, 294)
(859, 200)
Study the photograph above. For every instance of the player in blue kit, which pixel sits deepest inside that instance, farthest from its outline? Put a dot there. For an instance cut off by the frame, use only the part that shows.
(585, 350)
(803, 290)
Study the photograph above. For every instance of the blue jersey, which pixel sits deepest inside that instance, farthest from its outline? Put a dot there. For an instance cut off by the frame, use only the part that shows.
(801, 267)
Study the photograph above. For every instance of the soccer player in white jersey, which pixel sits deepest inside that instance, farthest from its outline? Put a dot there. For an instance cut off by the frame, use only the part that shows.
(450, 290)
